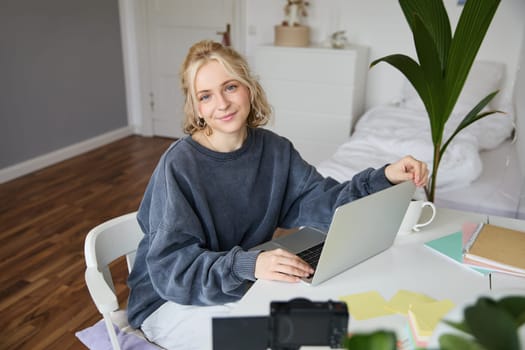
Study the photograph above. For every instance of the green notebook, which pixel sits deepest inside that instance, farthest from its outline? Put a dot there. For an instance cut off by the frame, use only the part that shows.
(451, 246)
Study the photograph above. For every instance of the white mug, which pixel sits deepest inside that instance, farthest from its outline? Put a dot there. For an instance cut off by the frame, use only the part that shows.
(410, 222)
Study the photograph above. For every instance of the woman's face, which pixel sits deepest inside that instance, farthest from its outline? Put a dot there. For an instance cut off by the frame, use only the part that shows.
(222, 101)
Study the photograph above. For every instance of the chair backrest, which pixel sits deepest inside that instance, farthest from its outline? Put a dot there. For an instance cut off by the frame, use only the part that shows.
(110, 240)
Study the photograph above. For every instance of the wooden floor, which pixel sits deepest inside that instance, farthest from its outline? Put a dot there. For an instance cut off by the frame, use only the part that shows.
(44, 219)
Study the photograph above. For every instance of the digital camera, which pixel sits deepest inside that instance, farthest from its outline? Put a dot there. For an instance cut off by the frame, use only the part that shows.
(303, 322)
(291, 324)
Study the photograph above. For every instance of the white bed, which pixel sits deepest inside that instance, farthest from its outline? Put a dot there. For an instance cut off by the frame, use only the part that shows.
(480, 170)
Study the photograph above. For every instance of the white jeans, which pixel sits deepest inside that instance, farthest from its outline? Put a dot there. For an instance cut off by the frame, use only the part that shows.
(174, 326)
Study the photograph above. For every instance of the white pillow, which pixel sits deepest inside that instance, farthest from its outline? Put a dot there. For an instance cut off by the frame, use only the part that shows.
(484, 77)
(490, 131)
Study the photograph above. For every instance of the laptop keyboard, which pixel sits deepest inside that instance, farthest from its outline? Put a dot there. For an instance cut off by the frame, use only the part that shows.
(311, 255)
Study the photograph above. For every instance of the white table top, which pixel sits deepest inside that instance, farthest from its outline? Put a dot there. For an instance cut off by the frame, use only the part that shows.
(407, 265)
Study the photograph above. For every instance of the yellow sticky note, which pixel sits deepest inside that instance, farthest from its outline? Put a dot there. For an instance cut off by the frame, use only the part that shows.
(404, 298)
(362, 306)
(424, 317)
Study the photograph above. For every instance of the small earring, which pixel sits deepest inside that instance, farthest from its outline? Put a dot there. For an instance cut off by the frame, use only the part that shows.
(201, 123)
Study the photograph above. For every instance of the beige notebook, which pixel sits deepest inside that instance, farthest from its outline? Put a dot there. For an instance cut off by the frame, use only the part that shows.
(499, 246)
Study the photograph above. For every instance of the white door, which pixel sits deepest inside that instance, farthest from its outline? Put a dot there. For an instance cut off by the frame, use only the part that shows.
(173, 26)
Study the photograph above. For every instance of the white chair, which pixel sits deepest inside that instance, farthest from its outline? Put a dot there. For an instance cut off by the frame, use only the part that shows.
(104, 244)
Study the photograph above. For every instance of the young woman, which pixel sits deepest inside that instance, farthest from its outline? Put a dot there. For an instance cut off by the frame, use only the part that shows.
(222, 190)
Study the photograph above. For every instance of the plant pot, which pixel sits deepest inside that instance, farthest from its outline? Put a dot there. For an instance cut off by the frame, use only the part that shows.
(298, 36)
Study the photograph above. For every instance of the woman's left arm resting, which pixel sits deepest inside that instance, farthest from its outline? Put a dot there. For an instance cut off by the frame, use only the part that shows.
(407, 168)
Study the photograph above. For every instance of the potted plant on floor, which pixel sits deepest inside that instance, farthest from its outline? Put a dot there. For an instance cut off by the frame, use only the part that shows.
(444, 64)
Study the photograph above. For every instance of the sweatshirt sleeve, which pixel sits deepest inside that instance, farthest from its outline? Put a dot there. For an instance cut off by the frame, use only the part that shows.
(181, 267)
(313, 198)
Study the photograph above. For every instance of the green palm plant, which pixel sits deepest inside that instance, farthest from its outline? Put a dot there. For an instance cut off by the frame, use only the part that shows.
(444, 64)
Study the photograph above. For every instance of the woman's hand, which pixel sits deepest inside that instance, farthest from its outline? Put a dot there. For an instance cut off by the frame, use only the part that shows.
(280, 265)
(407, 168)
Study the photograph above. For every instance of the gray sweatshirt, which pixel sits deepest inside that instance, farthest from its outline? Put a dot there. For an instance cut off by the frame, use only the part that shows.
(203, 210)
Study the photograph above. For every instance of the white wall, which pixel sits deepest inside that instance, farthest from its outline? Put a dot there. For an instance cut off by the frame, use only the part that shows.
(381, 26)
(62, 84)
(519, 105)
(519, 100)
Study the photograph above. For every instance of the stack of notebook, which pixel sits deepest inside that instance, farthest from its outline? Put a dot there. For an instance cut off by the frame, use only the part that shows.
(497, 249)
(485, 248)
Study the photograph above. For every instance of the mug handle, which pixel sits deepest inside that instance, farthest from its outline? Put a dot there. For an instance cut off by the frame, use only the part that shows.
(426, 204)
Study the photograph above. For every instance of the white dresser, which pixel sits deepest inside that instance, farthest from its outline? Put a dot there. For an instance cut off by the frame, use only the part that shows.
(317, 94)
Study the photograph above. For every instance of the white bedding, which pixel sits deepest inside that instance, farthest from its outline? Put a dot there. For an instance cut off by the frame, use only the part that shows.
(386, 133)
(499, 190)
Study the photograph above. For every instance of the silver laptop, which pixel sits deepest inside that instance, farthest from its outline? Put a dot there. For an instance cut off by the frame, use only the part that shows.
(359, 230)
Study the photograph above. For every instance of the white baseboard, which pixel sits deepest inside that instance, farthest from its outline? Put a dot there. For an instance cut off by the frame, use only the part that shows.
(28, 166)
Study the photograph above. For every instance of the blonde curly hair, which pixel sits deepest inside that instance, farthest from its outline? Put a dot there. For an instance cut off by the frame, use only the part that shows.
(200, 54)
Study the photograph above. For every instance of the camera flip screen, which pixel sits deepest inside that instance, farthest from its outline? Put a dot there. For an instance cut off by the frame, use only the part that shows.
(291, 325)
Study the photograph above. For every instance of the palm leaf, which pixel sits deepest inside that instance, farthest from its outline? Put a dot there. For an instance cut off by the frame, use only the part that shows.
(468, 36)
(471, 117)
(428, 56)
(433, 14)
(444, 63)
(411, 70)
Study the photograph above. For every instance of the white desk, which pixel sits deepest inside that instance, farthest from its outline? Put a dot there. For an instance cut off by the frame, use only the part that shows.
(407, 265)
